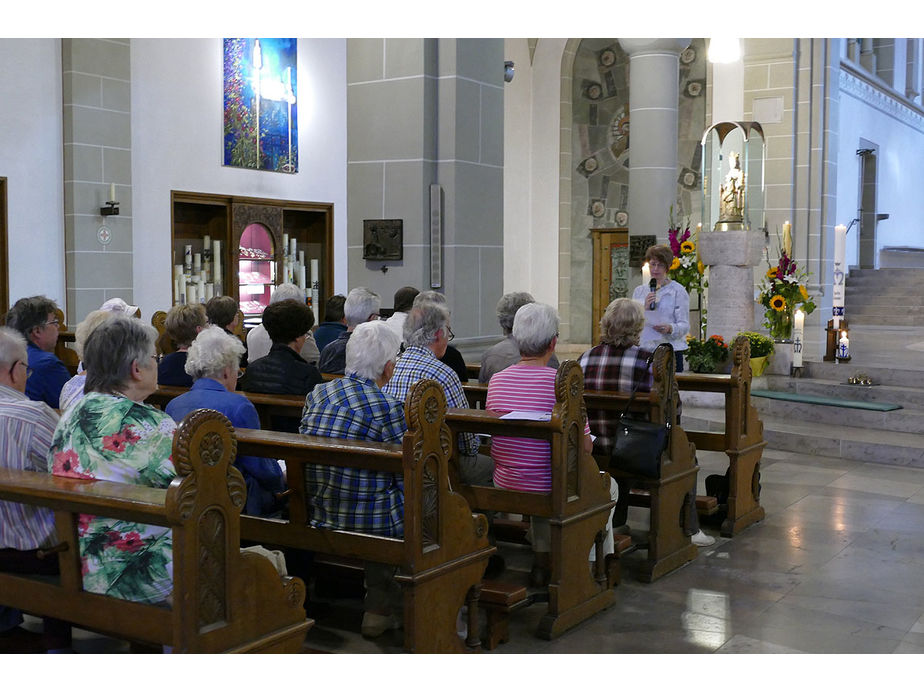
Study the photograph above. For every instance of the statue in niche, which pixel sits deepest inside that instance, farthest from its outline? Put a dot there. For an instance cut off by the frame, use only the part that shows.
(731, 192)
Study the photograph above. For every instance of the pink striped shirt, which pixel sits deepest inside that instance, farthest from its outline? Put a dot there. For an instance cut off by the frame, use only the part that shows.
(522, 464)
(26, 428)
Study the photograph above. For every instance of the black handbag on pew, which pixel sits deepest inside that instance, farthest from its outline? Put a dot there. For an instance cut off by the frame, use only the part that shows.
(638, 444)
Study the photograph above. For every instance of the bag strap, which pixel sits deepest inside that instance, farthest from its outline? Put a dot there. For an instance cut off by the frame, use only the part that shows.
(625, 411)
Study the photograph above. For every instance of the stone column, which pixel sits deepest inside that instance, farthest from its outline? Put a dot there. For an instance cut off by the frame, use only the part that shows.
(731, 256)
(96, 81)
(653, 85)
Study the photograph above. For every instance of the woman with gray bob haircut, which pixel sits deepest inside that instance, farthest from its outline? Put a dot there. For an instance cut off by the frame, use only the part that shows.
(507, 308)
(424, 323)
(212, 351)
(113, 349)
(110, 434)
(534, 328)
(369, 350)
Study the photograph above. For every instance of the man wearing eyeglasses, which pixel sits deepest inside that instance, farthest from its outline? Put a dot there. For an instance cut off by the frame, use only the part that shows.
(26, 430)
(35, 319)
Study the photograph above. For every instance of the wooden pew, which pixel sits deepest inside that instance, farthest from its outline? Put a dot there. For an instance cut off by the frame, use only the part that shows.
(223, 600)
(268, 406)
(578, 506)
(445, 548)
(742, 440)
(668, 547)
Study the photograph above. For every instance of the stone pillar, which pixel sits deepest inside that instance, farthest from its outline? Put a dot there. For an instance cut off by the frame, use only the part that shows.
(96, 76)
(423, 112)
(653, 85)
(731, 256)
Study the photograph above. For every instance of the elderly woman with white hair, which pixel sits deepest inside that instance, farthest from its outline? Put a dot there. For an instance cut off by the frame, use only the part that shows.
(524, 464)
(452, 357)
(111, 434)
(361, 305)
(354, 407)
(73, 388)
(212, 361)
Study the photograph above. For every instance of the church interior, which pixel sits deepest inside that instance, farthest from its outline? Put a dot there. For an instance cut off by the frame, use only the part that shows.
(476, 167)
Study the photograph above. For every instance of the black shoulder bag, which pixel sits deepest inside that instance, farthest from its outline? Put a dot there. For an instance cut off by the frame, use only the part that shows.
(638, 444)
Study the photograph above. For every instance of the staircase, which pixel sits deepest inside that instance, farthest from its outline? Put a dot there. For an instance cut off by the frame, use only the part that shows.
(887, 344)
(885, 297)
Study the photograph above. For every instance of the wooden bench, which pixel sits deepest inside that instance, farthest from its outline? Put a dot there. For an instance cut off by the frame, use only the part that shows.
(445, 549)
(223, 600)
(578, 506)
(668, 547)
(268, 406)
(742, 440)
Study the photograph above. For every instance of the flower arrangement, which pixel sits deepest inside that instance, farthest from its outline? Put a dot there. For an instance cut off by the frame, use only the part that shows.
(782, 290)
(704, 355)
(686, 269)
(761, 344)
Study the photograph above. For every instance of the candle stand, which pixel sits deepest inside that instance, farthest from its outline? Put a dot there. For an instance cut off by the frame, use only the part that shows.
(831, 346)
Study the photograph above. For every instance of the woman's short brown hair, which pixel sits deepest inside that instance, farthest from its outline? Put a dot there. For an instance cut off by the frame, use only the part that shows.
(661, 253)
(182, 321)
(622, 323)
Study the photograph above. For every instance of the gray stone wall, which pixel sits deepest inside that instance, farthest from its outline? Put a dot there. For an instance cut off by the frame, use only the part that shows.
(96, 83)
(422, 112)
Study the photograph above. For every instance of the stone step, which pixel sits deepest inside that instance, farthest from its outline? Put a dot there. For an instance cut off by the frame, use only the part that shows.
(908, 397)
(883, 375)
(904, 420)
(893, 298)
(828, 440)
(865, 319)
(896, 273)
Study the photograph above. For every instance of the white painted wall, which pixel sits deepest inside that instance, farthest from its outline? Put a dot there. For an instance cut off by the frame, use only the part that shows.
(31, 159)
(177, 145)
(900, 170)
(532, 141)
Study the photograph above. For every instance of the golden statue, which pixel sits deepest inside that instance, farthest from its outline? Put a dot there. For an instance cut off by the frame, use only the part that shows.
(731, 192)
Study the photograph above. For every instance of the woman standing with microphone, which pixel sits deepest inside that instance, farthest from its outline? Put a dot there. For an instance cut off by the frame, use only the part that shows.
(666, 304)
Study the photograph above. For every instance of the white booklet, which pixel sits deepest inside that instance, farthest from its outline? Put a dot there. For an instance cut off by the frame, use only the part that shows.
(528, 415)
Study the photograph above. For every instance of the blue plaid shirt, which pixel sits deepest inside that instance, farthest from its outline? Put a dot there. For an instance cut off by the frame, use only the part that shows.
(418, 363)
(360, 500)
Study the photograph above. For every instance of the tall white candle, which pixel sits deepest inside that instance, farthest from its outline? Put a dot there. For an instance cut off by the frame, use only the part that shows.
(315, 277)
(187, 259)
(176, 292)
(798, 335)
(301, 257)
(301, 277)
(787, 238)
(840, 270)
(216, 264)
(197, 262)
(112, 192)
(206, 243)
(285, 244)
(646, 274)
(292, 251)
(191, 297)
(843, 346)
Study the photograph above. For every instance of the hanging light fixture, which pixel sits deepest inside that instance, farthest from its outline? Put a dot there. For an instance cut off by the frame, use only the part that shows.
(724, 50)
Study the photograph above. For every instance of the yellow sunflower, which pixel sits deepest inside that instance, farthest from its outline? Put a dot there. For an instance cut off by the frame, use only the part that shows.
(803, 292)
(778, 303)
(699, 267)
(687, 247)
(771, 273)
(675, 264)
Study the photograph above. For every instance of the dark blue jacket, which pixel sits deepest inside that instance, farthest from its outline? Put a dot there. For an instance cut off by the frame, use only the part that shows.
(48, 376)
(263, 475)
(327, 332)
(172, 370)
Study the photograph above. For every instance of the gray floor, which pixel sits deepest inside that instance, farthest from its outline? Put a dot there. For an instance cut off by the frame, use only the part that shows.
(834, 568)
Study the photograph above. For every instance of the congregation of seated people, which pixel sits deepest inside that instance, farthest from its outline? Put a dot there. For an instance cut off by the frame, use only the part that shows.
(379, 360)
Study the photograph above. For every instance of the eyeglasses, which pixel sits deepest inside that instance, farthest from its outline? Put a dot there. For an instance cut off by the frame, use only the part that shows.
(54, 322)
(374, 316)
(450, 336)
(13, 367)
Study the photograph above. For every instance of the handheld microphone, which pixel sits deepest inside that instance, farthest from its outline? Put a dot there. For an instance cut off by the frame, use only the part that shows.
(653, 286)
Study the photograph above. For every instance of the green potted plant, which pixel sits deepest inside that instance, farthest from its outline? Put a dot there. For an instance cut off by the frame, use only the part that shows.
(704, 355)
(761, 348)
